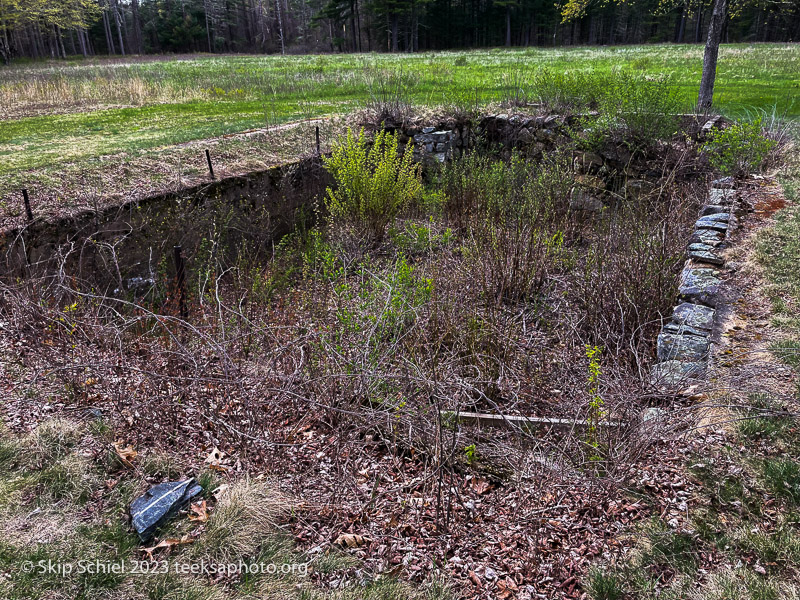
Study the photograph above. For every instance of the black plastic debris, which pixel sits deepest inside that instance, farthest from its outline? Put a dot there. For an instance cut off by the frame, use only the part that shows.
(159, 504)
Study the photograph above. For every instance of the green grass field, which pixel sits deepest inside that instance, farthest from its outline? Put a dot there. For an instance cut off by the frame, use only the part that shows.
(66, 112)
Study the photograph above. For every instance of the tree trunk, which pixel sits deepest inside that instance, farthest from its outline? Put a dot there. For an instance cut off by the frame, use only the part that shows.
(208, 26)
(5, 44)
(73, 49)
(395, 26)
(280, 25)
(52, 44)
(115, 9)
(107, 31)
(358, 24)
(681, 26)
(137, 28)
(81, 43)
(698, 27)
(60, 42)
(508, 25)
(706, 96)
(89, 46)
(353, 31)
(414, 27)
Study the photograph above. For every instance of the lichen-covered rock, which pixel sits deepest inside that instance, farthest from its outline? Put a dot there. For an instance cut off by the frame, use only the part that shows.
(718, 217)
(712, 209)
(709, 237)
(699, 285)
(581, 200)
(681, 347)
(694, 315)
(706, 256)
(717, 222)
(700, 247)
(591, 159)
(674, 373)
(635, 188)
(525, 136)
(720, 196)
(682, 328)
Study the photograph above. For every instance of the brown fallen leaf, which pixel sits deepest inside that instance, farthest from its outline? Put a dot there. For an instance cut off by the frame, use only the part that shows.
(199, 512)
(214, 460)
(475, 579)
(167, 543)
(506, 588)
(126, 454)
(351, 540)
(481, 486)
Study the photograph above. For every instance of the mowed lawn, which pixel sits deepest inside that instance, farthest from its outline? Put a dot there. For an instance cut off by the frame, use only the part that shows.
(59, 112)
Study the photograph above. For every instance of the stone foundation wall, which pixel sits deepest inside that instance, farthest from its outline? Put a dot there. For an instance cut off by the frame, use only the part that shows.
(143, 230)
(685, 341)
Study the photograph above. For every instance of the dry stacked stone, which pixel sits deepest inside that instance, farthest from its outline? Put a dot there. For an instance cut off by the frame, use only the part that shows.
(684, 343)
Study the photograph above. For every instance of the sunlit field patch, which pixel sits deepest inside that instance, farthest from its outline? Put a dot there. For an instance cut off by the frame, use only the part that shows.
(108, 106)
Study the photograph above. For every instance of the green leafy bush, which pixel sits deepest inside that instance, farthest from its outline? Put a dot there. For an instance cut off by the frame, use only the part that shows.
(373, 183)
(415, 238)
(637, 110)
(380, 308)
(739, 149)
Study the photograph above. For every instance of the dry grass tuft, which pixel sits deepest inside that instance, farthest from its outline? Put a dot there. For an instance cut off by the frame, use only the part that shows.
(29, 528)
(50, 441)
(246, 516)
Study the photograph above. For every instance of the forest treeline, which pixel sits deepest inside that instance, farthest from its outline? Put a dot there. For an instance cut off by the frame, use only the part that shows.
(57, 28)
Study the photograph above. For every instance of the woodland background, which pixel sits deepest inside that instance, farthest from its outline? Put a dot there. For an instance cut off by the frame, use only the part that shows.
(47, 29)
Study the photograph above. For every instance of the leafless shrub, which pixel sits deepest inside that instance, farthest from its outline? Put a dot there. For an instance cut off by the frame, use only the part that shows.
(630, 269)
(389, 102)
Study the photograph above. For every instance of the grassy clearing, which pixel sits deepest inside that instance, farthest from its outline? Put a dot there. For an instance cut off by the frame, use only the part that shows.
(173, 101)
(778, 251)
